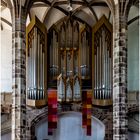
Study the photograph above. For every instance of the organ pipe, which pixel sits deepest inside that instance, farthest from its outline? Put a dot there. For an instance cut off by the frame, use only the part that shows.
(54, 66)
(36, 68)
(43, 94)
(102, 64)
(84, 54)
(95, 77)
(110, 77)
(98, 70)
(36, 41)
(105, 70)
(32, 59)
(100, 80)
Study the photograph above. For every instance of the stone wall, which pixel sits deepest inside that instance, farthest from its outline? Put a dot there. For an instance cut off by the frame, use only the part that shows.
(35, 115)
(105, 115)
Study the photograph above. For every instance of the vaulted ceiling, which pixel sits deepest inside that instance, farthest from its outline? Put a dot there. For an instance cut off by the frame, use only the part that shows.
(51, 11)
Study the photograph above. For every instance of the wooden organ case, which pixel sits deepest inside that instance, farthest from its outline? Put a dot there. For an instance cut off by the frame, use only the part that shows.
(36, 64)
(69, 58)
(69, 66)
(102, 63)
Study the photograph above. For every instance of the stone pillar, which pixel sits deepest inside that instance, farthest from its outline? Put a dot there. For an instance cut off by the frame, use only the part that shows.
(120, 75)
(18, 74)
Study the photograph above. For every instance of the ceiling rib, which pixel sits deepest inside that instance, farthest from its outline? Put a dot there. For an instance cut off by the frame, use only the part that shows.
(93, 12)
(55, 4)
(78, 9)
(6, 21)
(72, 2)
(3, 3)
(67, 13)
(109, 15)
(40, 5)
(1, 26)
(132, 20)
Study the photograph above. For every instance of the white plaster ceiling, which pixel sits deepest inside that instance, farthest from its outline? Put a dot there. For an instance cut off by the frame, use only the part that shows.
(87, 14)
(53, 17)
(39, 12)
(6, 21)
(51, 11)
(134, 11)
(100, 10)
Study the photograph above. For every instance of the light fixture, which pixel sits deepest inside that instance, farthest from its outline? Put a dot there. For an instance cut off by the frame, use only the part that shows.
(69, 7)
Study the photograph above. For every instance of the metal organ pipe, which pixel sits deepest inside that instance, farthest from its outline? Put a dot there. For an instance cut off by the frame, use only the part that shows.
(54, 54)
(57, 63)
(108, 74)
(110, 77)
(35, 67)
(85, 53)
(103, 33)
(32, 94)
(38, 66)
(51, 57)
(35, 64)
(88, 48)
(29, 73)
(97, 71)
(105, 69)
(95, 75)
(41, 74)
(100, 67)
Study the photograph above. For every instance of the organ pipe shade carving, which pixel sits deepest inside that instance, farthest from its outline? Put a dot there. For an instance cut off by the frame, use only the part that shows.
(102, 62)
(36, 75)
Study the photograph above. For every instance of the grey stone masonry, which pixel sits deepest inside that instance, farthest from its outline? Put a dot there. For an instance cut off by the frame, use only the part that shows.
(120, 75)
(19, 74)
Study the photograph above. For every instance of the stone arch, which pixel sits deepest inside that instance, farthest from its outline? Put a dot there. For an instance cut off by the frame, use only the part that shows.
(128, 6)
(43, 115)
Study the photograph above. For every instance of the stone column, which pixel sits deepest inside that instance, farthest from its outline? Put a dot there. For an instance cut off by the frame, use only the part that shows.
(18, 74)
(120, 75)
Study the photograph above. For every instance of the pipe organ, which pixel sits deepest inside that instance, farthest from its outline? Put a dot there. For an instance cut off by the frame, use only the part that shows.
(36, 50)
(73, 64)
(65, 46)
(102, 62)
